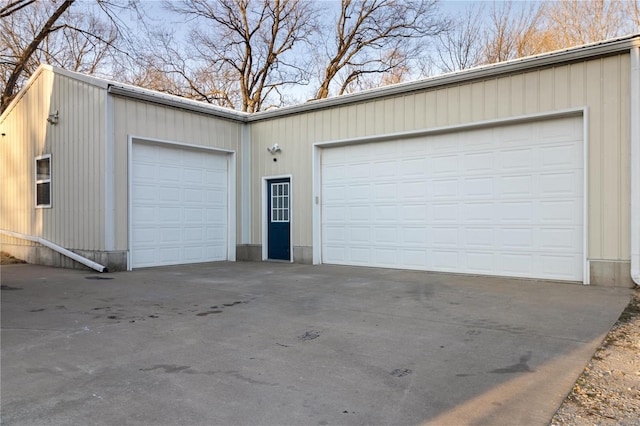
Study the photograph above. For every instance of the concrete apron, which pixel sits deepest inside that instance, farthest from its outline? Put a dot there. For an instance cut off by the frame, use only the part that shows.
(271, 344)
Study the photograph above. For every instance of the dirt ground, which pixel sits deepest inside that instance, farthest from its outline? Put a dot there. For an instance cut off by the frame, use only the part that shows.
(608, 390)
(7, 259)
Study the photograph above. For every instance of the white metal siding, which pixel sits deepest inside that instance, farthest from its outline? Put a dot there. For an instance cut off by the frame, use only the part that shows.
(144, 120)
(499, 201)
(76, 145)
(179, 206)
(601, 85)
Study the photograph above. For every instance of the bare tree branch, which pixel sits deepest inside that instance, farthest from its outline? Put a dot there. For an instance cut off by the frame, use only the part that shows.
(250, 41)
(365, 28)
(47, 28)
(460, 47)
(14, 6)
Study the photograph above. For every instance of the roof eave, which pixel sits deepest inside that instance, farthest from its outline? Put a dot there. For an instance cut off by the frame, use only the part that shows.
(175, 102)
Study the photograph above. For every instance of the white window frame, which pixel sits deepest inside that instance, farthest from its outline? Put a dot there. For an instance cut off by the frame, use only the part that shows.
(42, 181)
(278, 212)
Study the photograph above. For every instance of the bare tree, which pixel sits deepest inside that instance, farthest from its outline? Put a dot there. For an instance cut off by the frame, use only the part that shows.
(250, 42)
(18, 65)
(368, 33)
(11, 7)
(514, 33)
(65, 34)
(461, 46)
(574, 22)
(538, 27)
(166, 65)
(633, 11)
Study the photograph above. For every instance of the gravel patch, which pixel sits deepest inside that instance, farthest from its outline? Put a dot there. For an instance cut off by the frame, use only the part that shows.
(608, 390)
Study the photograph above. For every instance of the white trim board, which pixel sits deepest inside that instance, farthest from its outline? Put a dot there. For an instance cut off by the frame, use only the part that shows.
(634, 140)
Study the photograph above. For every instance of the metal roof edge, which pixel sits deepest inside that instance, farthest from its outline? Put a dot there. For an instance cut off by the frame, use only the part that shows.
(129, 91)
(94, 81)
(139, 93)
(601, 48)
(89, 79)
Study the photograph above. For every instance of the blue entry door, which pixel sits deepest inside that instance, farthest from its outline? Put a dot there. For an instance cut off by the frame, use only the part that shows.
(279, 219)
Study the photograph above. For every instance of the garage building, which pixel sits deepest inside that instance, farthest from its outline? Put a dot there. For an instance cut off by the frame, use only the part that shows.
(528, 168)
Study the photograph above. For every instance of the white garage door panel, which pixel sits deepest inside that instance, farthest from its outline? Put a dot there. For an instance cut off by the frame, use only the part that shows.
(502, 201)
(179, 206)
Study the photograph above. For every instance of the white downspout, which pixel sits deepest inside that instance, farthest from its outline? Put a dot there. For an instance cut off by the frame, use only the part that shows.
(634, 139)
(91, 264)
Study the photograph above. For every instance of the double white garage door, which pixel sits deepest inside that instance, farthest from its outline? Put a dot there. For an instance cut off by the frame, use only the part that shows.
(498, 201)
(179, 205)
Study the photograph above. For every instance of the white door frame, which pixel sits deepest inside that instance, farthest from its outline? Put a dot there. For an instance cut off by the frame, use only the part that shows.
(231, 190)
(265, 215)
(316, 162)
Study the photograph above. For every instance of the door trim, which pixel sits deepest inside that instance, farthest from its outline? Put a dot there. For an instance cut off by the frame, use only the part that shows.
(231, 189)
(265, 215)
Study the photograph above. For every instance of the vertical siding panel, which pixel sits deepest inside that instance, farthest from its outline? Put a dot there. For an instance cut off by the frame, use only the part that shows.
(370, 118)
(517, 95)
(465, 103)
(504, 99)
(335, 129)
(75, 133)
(100, 110)
(490, 99)
(561, 87)
(94, 156)
(379, 114)
(453, 105)
(122, 112)
(477, 101)
(398, 114)
(87, 194)
(546, 89)
(338, 122)
(409, 113)
(532, 92)
(320, 126)
(610, 152)
(361, 119)
(441, 107)
(69, 94)
(351, 121)
(299, 177)
(420, 110)
(71, 183)
(431, 108)
(43, 107)
(389, 117)
(577, 88)
(624, 175)
(593, 89)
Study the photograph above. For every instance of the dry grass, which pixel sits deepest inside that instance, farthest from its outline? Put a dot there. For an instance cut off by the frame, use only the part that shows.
(7, 259)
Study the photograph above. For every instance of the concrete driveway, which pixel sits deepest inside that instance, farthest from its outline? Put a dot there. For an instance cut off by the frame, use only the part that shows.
(280, 344)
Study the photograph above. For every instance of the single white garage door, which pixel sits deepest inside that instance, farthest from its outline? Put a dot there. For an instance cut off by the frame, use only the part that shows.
(497, 201)
(179, 205)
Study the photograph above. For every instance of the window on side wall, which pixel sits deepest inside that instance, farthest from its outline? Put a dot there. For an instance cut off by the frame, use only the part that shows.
(43, 181)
